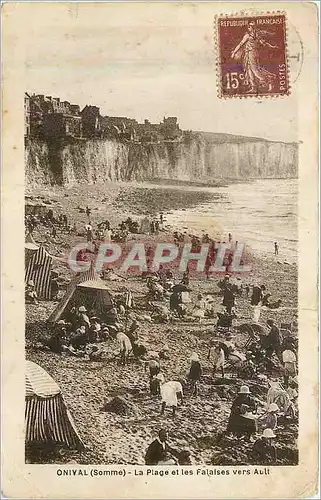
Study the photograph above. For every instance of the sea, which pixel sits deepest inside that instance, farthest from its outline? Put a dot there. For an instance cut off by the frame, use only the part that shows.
(258, 214)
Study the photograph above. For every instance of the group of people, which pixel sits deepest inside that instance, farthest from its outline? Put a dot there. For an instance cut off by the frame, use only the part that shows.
(83, 332)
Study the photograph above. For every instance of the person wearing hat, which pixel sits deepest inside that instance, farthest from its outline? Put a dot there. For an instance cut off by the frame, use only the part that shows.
(239, 425)
(195, 373)
(269, 419)
(263, 451)
(276, 394)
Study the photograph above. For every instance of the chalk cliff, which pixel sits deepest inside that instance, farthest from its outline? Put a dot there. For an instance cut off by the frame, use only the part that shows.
(199, 156)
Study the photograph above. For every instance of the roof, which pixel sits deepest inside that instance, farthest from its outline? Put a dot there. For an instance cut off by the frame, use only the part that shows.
(39, 382)
(95, 284)
(31, 246)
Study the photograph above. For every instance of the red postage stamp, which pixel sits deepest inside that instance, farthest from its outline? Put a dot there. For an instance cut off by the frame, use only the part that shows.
(252, 56)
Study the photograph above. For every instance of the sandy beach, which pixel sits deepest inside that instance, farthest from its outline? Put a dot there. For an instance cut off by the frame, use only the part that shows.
(200, 421)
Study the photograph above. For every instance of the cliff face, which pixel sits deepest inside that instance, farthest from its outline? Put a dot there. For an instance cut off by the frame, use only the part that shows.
(199, 156)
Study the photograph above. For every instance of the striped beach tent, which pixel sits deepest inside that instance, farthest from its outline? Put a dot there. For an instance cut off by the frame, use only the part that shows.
(47, 418)
(38, 269)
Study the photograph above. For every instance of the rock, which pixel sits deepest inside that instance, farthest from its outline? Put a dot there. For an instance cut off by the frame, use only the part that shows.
(120, 406)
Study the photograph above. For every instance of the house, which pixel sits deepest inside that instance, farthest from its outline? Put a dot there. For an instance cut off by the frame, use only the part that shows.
(170, 128)
(119, 127)
(59, 125)
(91, 121)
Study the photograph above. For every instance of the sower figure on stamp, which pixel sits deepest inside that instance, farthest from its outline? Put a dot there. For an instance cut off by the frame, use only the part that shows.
(248, 50)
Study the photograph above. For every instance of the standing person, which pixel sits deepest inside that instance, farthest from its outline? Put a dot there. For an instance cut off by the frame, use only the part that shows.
(289, 361)
(229, 237)
(156, 227)
(175, 303)
(273, 340)
(217, 356)
(229, 298)
(152, 227)
(257, 295)
(88, 212)
(154, 369)
(83, 319)
(276, 249)
(89, 232)
(170, 391)
(161, 219)
(195, 373)
(53, 231)
(125, 347)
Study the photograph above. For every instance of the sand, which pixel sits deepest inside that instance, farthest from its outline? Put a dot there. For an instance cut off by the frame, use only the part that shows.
(200, 421)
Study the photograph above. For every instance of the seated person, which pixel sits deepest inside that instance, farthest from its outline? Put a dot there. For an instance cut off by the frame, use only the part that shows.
(31, 294)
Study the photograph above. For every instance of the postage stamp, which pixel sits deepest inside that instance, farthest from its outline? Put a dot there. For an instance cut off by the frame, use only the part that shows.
(252, 56)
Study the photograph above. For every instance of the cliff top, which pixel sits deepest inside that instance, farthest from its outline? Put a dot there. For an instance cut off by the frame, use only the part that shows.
(221, 138)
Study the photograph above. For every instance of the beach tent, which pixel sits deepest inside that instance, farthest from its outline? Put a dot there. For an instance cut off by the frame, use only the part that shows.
(38, 269)
(86, 289)
(30, 248)
(47, 418)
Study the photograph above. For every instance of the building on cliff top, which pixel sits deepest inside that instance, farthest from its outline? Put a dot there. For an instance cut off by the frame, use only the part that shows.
(91, 121)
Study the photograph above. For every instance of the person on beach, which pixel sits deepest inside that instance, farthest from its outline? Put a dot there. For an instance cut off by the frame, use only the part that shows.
(154, 369)
(170, 392)
(273, 340)
(276, 394)
(31, 294)
(88, 212)
(83, 319)
(265, 300)
(125, 347)
(199, 308)
(270, 420)
(229, 298)
(217, 357)
(276, 249)
(195, 373)
(275, 305)
(239, 424)
(257, 294)
(263, 451)
(89, 232)
(159, 452)
(289, 361)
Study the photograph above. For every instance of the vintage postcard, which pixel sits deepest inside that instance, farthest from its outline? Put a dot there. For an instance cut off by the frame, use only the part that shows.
(160, 250)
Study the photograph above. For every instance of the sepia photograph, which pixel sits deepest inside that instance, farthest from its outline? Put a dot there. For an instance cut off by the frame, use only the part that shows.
(161, 214)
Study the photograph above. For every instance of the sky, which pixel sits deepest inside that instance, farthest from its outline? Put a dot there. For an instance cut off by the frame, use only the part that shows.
(145, 66)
